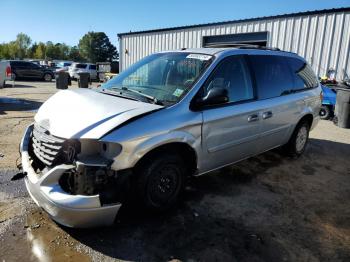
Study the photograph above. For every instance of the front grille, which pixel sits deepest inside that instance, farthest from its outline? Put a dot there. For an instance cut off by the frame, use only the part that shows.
(45, 146)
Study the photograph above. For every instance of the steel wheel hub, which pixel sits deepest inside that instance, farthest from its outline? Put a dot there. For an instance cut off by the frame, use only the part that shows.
(301, 139)
(163, 184)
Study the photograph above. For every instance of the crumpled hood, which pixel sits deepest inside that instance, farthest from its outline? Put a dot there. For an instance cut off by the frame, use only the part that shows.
(84, 113)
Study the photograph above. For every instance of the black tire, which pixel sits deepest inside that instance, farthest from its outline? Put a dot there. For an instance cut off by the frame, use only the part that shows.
(325, 112)
(298, 141)
(2, 85)
(160, 180)
(47, 77)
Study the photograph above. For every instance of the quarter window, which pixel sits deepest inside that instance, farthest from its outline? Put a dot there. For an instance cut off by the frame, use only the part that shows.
(233, 75)
(80, 66)
(273, 76)
(303, 74)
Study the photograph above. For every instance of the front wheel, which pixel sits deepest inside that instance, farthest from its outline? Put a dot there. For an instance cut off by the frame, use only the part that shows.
(160, 180)
(297, 143)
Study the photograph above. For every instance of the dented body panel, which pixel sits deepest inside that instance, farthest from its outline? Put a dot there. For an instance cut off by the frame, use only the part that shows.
(78, 154)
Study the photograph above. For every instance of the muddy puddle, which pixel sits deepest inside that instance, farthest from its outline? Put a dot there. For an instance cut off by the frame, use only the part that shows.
(34, 237)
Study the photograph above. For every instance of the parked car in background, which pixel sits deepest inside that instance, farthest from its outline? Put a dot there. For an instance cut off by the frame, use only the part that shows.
(5, 72)
(77, 68)
(63, 66)
(29, 71)
(170, 116)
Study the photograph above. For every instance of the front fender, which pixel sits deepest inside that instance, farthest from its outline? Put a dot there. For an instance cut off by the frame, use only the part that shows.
(133, 151)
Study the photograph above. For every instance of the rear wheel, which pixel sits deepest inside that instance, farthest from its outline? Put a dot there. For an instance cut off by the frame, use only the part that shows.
(297, 143)
(2, 85)
(48, 77)
(325, 112)
(160, 180)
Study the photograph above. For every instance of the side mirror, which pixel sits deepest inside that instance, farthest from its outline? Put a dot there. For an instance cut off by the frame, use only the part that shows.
(215, 96)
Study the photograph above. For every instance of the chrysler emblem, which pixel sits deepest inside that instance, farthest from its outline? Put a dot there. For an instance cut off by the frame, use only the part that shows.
(70, 153)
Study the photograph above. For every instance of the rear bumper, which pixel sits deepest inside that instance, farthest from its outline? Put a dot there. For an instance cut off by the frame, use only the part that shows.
(66, 209)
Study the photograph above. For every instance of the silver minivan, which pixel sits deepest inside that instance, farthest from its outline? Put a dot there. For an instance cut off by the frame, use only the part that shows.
(169, 116)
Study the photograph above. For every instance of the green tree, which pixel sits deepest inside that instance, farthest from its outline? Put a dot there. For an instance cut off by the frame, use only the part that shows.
(31, 50)
(22, 45)
(63, 50)
(96, 47)
(74, 54)
(40, 51)
(14, 52)
(52, 52)
(4, 51)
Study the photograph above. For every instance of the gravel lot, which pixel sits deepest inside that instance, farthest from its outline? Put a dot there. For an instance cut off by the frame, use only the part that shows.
(267, 208)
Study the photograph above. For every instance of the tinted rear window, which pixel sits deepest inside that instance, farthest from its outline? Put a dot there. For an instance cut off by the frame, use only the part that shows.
(272, 74)
(93, 67)
(303, 75)
(80, 65)
(19, 63)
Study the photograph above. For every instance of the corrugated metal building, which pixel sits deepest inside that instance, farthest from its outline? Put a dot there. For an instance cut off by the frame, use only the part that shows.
(322, 37)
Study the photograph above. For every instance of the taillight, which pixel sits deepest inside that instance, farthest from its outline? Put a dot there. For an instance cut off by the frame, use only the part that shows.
(321, 95)
(8, 71)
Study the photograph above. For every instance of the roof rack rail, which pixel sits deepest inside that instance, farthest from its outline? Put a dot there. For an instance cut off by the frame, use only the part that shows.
(260, 47)
(242, 46)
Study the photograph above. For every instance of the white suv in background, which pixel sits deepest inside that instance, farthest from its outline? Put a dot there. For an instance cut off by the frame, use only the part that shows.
(77, 68)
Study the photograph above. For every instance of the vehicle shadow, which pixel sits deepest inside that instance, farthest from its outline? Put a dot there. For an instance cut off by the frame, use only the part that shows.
(188, 232)
(194, 230)
(15, 85)
(17, 104)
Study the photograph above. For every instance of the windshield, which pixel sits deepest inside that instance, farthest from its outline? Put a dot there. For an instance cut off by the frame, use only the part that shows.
(166, 76)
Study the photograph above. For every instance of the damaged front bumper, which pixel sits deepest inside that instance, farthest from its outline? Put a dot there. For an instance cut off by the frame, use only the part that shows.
(66, 209)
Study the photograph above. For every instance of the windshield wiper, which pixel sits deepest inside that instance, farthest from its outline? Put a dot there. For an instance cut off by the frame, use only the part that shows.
(119, 94)
(152, 98)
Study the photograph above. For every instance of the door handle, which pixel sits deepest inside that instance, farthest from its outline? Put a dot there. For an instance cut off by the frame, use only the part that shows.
(267, 115)
(253, 118)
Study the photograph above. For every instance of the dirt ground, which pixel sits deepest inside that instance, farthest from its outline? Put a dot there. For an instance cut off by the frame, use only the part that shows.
(267, 208)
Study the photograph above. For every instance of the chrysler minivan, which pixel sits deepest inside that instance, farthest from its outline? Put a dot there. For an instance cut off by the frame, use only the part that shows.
(169, 116)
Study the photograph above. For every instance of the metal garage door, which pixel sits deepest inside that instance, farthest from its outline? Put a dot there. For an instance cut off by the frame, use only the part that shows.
(258, 38)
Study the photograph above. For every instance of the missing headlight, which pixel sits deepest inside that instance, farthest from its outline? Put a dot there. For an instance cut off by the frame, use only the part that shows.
(92, 180)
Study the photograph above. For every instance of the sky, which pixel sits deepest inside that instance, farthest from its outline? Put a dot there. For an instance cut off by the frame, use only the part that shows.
(66, 21)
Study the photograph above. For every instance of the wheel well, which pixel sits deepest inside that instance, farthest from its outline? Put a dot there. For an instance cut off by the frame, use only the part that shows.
(328, 106)
(308, 118)
(185, 151)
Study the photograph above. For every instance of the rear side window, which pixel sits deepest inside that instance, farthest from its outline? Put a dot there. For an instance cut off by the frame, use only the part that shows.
(303, 74)
(233, 75)
(93, 67)
(14, 63)
(26, 64)
(81, 66)
(272, 74)
(19, 64)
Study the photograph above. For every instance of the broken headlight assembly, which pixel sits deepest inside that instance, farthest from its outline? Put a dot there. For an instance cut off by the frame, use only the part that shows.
(92, 173)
